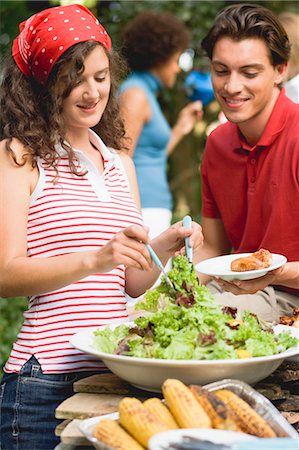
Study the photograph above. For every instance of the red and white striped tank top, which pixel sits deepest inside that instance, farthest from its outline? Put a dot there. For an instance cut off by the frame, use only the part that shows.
(75, 214)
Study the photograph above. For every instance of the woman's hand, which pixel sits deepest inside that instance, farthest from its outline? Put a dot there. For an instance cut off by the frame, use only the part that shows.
(172, 240)
(126, 247)
(166, 245)
(188, 117)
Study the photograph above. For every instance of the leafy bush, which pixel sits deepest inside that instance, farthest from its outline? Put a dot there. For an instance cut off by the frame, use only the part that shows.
(11, 318)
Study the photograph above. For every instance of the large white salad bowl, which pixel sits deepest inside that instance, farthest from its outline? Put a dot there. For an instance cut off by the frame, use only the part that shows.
(150, 373)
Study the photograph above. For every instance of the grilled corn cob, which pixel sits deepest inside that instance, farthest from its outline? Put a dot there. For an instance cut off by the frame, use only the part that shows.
(219, 413)
(250, 421)
(138, 420)
(109, 432)
(186, 410)
(155, 406)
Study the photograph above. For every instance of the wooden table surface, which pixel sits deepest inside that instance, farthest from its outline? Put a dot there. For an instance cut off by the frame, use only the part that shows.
(101, 394)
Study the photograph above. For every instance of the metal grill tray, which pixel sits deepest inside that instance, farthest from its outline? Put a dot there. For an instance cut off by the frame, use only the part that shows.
(256, 400)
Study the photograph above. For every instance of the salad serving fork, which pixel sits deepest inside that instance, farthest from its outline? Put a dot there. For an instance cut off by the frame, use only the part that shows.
(187, 223)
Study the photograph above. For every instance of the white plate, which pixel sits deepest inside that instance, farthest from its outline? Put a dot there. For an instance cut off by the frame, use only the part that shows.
(150, 373)
(87, 427)
(162, 440)
(220, 267)
(294, 332)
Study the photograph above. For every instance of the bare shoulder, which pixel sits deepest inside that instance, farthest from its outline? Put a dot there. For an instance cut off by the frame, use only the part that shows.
(19, 151)
(127, 162)
(21, 172)
(129, 168)
(136, 94)
(125, 158)
(134, 101)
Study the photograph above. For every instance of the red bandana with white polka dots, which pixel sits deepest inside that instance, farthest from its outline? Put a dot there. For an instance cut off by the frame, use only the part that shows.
(46, 35)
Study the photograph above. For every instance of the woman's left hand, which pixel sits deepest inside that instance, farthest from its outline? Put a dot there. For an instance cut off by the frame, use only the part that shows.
(241, 287)
(188, 117)
(173, 239)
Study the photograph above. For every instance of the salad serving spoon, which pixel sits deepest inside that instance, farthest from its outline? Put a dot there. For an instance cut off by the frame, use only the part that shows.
(159, 264)
(187, 223)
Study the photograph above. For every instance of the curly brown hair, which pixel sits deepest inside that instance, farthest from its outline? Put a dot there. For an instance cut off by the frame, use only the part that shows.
(151, 38)
(250, 21)
(290, 22)
(32, 113)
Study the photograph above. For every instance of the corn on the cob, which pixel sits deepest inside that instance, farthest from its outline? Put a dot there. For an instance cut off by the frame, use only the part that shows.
(186, 410)
(138, 420)
(112, 434)
(250, 421)
(155, 406)
(219, 413)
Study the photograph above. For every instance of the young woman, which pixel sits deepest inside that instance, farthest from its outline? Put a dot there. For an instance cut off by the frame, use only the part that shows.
(290, 22)
(72, 237)
(152, 45)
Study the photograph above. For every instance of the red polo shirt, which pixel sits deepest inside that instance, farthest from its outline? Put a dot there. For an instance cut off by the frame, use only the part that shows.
(255, 191)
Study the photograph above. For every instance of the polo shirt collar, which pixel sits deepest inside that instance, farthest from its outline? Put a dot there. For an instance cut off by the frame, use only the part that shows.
(96, 179)
(275, 125)
(107, 154)
(99, 144)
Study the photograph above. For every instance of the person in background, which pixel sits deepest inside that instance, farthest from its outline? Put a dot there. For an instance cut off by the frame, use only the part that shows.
(250, 166)
(152, 44)
(290, 22)
(71, 233)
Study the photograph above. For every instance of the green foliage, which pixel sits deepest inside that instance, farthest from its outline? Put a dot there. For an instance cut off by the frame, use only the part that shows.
(11, 14)
(88, 3)
(11, 318)
(197, 15)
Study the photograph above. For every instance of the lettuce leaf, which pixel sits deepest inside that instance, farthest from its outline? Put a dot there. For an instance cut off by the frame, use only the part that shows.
(107, 340)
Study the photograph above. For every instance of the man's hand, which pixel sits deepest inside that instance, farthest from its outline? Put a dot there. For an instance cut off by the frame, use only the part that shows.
(241, 287)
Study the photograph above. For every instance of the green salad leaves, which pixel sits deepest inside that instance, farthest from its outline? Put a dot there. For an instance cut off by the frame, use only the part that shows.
(190, 325)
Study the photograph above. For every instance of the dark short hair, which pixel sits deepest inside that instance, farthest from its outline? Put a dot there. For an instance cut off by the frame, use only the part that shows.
(151, 38)
(244, 21)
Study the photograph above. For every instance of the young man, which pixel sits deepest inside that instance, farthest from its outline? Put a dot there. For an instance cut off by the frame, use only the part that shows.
(250, 167)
